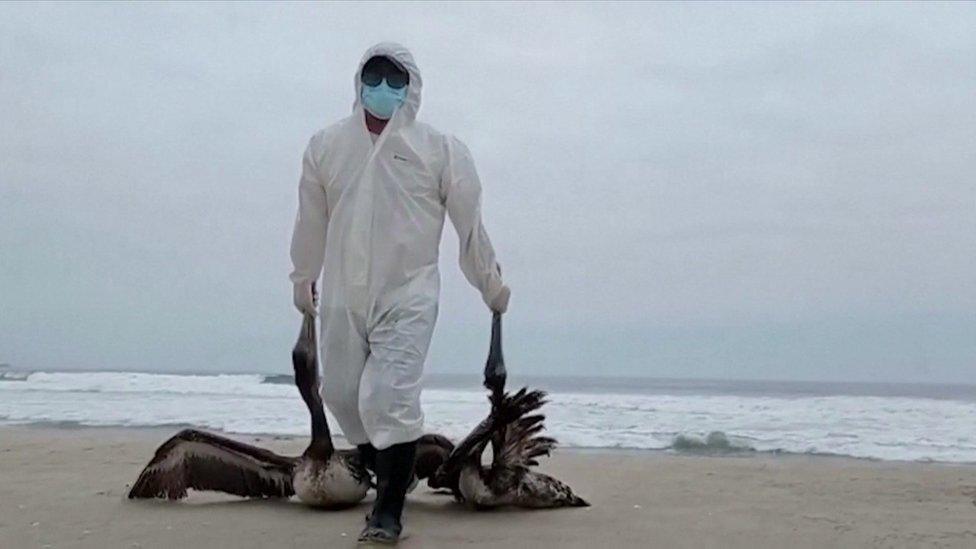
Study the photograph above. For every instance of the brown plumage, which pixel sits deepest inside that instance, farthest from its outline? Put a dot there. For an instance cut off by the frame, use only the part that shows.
(513, 430)
(432, 451)
(204, 461)
(321, 476)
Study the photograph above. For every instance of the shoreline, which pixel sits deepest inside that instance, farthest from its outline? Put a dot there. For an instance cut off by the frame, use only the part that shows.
(66, 487)
(168, 430)
(683, 417)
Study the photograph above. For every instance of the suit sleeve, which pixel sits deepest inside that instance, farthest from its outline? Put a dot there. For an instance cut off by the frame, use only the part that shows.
(461, 192)
(311, 223)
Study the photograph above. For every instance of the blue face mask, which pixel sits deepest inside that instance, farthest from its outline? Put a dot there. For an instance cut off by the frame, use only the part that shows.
(381, 100)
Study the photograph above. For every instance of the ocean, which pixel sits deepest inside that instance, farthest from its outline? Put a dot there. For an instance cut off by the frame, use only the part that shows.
(863, 420)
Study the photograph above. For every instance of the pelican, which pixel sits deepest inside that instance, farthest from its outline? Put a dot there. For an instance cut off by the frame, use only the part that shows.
(322, 476)
(513, 429)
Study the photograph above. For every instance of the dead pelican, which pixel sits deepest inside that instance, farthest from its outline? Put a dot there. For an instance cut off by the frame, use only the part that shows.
(322, 476)
(516, 442)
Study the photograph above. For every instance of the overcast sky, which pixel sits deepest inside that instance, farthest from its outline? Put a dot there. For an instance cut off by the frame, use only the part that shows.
(682, 190)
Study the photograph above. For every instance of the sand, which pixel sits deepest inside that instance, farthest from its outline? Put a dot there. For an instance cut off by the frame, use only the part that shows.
(65, 487)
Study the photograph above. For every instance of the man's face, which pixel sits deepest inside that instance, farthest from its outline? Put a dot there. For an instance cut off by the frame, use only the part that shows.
(382, 68)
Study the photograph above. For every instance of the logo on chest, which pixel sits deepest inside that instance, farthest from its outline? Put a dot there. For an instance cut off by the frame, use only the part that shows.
(412, 174)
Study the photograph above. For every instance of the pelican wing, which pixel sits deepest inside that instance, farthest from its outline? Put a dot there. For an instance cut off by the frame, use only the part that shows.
(521, 442)
(517, 443)
(432, 451)
(204, 461)
(446, 476)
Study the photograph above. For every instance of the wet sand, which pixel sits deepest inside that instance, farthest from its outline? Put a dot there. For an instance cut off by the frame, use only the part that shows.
(65, 487)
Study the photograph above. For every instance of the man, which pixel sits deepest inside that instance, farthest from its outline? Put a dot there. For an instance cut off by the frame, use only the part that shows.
(373, 194)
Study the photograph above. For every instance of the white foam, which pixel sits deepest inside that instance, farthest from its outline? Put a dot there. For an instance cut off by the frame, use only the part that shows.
(901, 428)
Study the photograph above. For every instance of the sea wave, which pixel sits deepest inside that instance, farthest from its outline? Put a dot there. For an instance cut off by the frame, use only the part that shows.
(279, 379)
(877, 427)
(715, 442)
(14, 375)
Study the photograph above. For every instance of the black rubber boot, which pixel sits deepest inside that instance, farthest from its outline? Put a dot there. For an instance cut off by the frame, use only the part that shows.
(394, 472)
(367, 453)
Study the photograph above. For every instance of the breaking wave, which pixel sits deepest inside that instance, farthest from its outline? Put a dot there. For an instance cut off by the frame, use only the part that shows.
(715, 442)
(681, 421)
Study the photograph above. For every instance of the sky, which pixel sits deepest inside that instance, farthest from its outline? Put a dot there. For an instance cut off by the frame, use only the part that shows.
(703, 190)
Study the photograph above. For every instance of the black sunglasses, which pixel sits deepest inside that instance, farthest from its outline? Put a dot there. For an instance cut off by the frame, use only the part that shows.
(378, 68)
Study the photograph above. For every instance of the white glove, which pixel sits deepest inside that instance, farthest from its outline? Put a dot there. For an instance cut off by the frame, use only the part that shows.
(499, 303)
(306, 298)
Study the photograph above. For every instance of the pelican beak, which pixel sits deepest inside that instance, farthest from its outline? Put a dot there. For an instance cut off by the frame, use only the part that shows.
(495, 373)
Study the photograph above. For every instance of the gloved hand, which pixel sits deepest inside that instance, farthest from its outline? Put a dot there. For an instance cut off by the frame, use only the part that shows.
(499, 303)
(306, 298)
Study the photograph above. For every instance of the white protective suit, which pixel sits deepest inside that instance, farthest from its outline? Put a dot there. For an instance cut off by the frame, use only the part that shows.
(369, 220)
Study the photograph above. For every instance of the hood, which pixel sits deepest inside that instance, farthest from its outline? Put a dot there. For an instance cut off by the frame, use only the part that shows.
(404, 58)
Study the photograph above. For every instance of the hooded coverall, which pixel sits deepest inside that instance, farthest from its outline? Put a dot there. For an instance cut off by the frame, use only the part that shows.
(370, 218)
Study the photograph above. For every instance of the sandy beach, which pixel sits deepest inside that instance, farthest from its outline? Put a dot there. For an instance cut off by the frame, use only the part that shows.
(65, 487)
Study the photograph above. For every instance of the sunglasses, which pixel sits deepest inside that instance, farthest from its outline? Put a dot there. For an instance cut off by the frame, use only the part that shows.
(379, 68)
